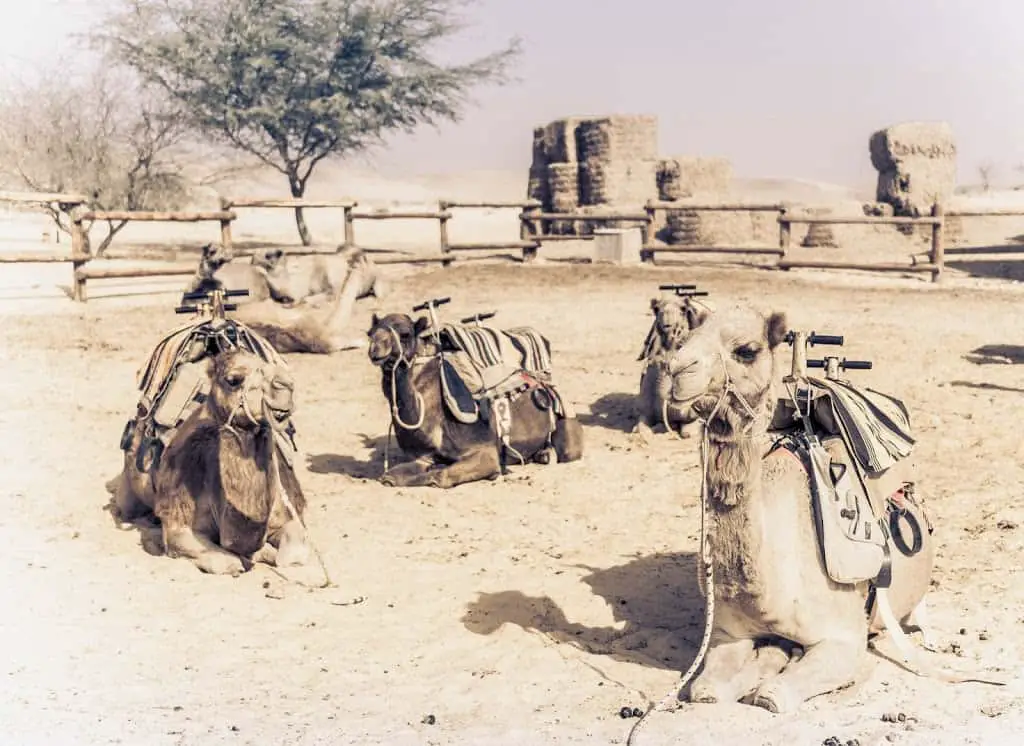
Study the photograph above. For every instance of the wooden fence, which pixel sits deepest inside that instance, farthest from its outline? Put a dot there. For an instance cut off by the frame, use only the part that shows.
(531, 238)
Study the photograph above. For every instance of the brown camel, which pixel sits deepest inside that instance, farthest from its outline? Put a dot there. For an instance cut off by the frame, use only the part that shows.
(448, 444)
(223, 487)
(772, 592)
(674, 318)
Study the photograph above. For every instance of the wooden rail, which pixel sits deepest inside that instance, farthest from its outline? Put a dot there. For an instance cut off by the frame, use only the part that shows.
(531, 216)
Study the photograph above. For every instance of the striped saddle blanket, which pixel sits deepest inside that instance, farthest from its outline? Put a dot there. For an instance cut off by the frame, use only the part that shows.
(480, 362)
(875, 426)
(518, 348)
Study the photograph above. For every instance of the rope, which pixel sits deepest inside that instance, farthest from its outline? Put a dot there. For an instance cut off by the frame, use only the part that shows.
(670, 702)
(394, 388)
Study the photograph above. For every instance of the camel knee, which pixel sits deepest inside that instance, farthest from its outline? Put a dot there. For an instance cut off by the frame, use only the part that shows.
(568, 440)
(292, 547)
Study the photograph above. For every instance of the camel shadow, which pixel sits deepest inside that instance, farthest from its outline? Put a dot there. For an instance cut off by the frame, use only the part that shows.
(337, 463)
(151, 537)
(996, 355)
(657, 607)
(613, 411)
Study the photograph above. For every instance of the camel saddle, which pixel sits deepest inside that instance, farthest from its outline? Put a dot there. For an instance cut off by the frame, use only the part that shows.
(480, 364)
(857, 448)
(175, 382)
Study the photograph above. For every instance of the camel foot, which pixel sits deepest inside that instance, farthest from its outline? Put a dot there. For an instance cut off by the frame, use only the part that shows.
(220, 563)
(544, 456)
(776, 697)
(707, 694)
(293, 550)
(266, 555)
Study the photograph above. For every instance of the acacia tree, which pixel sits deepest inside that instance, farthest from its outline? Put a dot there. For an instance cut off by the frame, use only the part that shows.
(293, 82)
(98, 136)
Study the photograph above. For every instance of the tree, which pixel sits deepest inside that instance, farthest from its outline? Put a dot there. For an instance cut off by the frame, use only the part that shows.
(985, 174)
(292, 82)
(98, 136)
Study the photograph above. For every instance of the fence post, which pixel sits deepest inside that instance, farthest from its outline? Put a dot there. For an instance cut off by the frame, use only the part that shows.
(442, 207)
(350, 228)
(79, 253)
(938, 249)
(647, 235)
(785, 233)
(527, 232)
(225, 233)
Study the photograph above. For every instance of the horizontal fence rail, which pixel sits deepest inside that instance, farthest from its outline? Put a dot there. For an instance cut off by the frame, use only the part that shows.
(530, 215)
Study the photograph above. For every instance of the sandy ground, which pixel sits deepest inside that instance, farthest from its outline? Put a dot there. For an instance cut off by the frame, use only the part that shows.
(528, 611)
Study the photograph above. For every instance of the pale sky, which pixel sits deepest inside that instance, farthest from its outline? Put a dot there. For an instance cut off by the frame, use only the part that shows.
(786, 88)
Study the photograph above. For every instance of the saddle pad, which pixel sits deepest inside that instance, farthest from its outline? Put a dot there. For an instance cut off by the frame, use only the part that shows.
(486, 347)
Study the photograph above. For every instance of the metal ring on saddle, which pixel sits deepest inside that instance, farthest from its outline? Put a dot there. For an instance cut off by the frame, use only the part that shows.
(897, 533)
(147, 444)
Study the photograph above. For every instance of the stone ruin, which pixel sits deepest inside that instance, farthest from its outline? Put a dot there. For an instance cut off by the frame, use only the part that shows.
(916, 164)
(611, 163)
(593, 162)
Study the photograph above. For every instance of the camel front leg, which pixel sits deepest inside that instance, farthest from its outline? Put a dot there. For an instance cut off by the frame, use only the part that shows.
(727, 657)
(407, 474)
(182, 541)
(480, 463)
(825, 667)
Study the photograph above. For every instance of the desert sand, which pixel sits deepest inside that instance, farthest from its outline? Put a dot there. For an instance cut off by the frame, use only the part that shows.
(523, 611)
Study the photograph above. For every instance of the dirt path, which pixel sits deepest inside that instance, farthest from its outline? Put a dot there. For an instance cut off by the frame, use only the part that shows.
(529, 611)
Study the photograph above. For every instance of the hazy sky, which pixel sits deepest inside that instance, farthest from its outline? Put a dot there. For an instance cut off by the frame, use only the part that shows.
(784, 88)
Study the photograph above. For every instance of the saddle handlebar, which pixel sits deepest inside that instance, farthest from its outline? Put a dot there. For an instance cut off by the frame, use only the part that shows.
(186, 309)
(843, 364)
(825, 339)
(692, 293)
(478, 317)
(204, 294)
(816, 339)
(677, 287)
(431, 303)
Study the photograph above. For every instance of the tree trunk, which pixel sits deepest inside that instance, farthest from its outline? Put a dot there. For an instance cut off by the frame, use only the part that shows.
(298, 187)
(112, 230)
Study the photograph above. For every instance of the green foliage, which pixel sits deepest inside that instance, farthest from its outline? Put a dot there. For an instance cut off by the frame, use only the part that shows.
(294, 81)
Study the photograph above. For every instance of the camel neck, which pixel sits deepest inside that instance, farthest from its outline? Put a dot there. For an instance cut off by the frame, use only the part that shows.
(733, 470)
(246, 466)
(400, 391)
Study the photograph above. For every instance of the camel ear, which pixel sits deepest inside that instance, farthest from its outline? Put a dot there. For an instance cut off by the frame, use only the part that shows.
(776, 329)
(421, 325)
(374, 320)
(695, 315)
(654, 305)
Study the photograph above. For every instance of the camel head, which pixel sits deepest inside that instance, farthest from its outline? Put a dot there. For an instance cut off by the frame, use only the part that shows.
(249, 393)
(674, 319)
(273, 265)
(269, 259)
(214, 257)
(394, 338)
(725, 369)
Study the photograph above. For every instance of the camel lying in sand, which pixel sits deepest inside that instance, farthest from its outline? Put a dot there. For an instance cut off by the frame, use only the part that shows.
(452, 426)
(674, 318)
(318, 324)
(223, 487)
(272, 274)
(772, 592)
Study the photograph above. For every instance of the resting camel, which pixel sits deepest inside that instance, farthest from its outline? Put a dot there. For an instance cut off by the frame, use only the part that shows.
(305, 277)
(772, 592)
(446, 450)
(222, 488)
(674, 318)
(319, 324)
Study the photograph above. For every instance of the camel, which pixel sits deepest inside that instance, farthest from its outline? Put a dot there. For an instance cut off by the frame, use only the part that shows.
(316, 325)
(520, 415)
(772, 593)
(273, 275)
(223, 487)
(674, 318)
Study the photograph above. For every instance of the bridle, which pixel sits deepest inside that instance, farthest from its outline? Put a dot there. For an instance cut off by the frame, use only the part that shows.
(402, 359)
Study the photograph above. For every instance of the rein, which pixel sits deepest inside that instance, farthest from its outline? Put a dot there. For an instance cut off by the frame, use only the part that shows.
(670, 702)
(403, 360)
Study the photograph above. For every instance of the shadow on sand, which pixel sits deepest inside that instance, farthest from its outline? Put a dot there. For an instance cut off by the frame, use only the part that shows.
(996, 355)
(612, 411)
(372, 468)
(658, 610)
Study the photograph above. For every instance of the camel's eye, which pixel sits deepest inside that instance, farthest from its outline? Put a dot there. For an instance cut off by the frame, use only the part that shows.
(234, 380)
(747, 353)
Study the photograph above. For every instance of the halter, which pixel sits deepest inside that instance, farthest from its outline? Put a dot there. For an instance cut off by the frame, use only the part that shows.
(403, 360)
